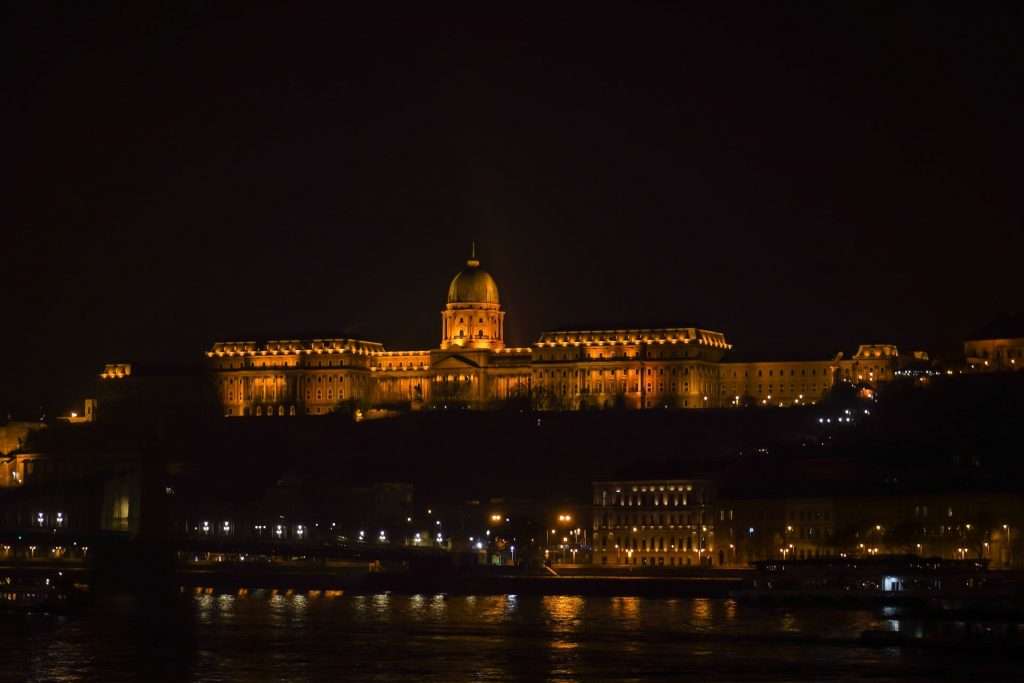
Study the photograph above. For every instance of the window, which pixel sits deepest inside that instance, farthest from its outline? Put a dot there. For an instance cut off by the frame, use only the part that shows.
(121, 510)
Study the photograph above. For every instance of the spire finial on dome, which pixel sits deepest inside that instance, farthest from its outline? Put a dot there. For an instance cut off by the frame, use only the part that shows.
(472, 262)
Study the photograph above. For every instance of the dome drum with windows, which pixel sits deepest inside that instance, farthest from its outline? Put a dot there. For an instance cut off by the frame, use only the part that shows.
(473, 318)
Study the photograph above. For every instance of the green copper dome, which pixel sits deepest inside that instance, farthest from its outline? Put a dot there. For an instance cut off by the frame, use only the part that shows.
(473, 286)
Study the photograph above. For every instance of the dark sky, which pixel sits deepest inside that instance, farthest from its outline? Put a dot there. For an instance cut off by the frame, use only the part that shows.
(804, 179)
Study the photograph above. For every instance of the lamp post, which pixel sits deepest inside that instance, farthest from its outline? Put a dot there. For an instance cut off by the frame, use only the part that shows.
(564, 519)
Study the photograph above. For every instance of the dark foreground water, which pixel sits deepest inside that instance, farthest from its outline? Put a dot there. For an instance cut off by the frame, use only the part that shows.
(272, 636)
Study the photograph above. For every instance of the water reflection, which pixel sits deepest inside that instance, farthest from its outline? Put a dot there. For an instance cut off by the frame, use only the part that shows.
(701, 611)
(438, 605)
(789, 623)
(563, 610)
(730, 610)
(273, 636)
(626, 610)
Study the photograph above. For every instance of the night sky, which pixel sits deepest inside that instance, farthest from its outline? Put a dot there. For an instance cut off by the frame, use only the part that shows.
(803, 179)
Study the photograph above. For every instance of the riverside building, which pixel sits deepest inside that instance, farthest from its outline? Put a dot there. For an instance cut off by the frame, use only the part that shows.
(656, 524)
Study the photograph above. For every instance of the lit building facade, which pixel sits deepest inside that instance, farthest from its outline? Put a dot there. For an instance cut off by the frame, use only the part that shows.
(692, 522)
(998, 346)
(995, 354)
(950, 525)
(655, 523)
(672, 367)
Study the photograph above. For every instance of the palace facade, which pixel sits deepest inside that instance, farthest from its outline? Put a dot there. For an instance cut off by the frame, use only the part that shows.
(683, 367)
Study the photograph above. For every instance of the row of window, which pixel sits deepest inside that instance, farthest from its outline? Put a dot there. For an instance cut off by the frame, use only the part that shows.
(649, 519)
(660, 560)
(660, 544)
(654, 498)
(279, 380)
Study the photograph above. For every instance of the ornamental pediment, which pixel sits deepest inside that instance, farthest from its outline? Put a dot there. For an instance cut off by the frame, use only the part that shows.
(454, 362)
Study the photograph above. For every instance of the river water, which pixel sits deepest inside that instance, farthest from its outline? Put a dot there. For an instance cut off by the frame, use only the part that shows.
(282, 636)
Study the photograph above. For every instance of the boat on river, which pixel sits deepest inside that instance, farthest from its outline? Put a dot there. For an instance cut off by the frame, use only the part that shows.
(886, 578)
(39, 594)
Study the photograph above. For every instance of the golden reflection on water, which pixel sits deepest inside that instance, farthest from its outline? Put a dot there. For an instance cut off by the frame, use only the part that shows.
(564, 645)
(626, 609)
(493, 607)
(556, 638)
(563, 609)
(438, 605)
(204, 608)
(701, 611)
(789, 622)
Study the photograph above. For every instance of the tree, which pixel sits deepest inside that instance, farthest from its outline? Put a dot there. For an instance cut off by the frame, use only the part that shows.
(545, 398)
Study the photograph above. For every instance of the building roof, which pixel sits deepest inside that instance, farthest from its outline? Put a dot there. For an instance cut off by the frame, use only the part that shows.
(633, 334)
(473, 285)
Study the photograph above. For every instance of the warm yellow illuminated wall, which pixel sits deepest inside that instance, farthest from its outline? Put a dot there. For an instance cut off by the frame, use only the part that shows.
(662, 523)
(477, 326)
(995, 354)
(295, 377)
(774, 383)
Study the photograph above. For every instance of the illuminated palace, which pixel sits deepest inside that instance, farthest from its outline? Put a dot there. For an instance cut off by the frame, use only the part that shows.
(684, 367)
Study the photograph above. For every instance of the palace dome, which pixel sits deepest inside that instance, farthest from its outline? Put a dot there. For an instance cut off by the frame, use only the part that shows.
(472, 285)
